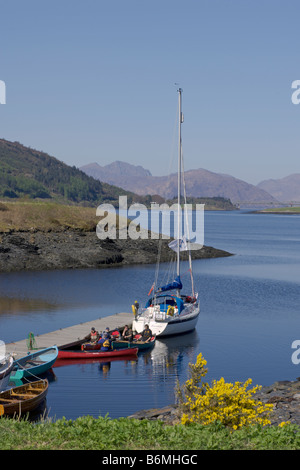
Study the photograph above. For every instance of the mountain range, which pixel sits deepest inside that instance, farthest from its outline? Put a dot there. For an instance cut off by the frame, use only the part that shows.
(283, 189)
(199, 183)
(26, 172)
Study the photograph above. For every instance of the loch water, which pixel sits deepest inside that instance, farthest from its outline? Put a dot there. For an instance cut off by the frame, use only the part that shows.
(249, 317)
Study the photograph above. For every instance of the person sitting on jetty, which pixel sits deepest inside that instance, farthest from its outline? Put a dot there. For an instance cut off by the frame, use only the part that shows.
(125, 331)
(107, 332)
(94, 335)
(146, 334)
(128, 335)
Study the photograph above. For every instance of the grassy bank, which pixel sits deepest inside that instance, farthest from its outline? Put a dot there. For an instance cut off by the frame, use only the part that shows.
(45, 216)
(88, 433)
(282, 210)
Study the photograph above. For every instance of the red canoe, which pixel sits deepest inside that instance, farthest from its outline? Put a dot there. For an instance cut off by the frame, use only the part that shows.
(95, 354)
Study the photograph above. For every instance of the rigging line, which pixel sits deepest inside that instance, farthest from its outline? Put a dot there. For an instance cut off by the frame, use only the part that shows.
(157, 264)
(187, 224)
(172, 153)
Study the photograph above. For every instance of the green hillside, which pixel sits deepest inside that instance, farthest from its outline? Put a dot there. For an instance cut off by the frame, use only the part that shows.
(25, 172)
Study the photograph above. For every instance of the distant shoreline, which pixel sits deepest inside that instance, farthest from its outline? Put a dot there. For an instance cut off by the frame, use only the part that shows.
(279, 212)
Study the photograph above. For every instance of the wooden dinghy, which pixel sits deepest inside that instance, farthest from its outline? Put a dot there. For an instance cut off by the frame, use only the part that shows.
(20, 400)
(34, 364)
(97, 354)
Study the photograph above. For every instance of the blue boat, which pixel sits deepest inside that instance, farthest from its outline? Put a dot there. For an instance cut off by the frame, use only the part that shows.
(34, 364)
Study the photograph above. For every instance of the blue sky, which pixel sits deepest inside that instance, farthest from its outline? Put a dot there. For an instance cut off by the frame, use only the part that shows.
(93, 81)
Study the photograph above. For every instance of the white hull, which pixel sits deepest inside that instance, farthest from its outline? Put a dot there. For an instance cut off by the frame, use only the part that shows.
(4, 383)
(5, 370)
(169, 326)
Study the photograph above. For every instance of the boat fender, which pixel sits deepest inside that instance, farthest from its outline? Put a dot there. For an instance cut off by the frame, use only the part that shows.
(170, 310)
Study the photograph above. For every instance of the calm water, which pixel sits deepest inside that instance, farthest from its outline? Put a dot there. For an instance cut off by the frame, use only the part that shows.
(249, 318)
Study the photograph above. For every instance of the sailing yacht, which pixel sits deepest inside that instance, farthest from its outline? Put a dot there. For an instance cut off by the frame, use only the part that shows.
(167, 313)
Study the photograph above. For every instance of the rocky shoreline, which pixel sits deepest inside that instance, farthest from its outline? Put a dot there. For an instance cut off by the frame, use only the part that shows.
(284, 395)
(79, 249)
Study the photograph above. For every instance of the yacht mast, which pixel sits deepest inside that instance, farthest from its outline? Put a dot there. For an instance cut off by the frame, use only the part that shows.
(179, 182)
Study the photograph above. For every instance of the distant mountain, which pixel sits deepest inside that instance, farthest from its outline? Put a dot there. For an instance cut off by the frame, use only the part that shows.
(285, 189)
(25, 172)
(116, 171)
(199, 183)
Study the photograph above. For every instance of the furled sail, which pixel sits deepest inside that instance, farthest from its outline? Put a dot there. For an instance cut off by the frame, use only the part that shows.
(176, 284)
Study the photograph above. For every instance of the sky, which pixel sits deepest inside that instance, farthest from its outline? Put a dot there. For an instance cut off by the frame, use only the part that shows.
(95, 81)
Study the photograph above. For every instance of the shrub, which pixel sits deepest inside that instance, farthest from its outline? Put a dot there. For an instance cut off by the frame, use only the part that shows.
(230, 404)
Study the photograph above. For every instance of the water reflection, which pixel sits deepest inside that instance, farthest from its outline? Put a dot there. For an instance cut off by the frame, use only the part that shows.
(14, 305)
(170, 356)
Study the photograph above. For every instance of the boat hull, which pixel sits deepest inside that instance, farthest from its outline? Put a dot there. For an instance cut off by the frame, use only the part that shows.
(134, 344)
(174, 326)
(5, 371)
(23, 399)
(97, 354)
(23, 367)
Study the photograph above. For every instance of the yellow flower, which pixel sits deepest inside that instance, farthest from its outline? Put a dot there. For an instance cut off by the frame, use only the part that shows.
(283, 423)
(230, 403)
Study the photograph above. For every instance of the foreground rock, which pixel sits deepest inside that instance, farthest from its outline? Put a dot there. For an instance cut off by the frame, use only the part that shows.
(284, 395)
(78, 249)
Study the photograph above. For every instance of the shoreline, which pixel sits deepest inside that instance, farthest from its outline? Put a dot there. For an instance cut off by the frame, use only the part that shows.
(278, 212)
(36, 250)
(284, 395)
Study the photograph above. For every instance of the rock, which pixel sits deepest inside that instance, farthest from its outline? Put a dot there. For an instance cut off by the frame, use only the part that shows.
(78, 249)
(168, 414)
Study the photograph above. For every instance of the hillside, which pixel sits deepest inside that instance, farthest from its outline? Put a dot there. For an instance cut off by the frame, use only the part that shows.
(284, 189)
(199, 183)
(25, 172)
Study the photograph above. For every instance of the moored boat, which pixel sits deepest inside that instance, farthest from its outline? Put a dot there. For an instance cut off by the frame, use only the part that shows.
(34, 364)
(6, 366)
(97, 354)
(168, 314)
(138, 343)
(96, 360)
(23, 399)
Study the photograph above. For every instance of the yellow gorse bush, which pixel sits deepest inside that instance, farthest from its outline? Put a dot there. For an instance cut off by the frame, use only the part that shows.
(231, 404)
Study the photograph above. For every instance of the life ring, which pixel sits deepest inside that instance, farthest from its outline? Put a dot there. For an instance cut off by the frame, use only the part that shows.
(170, 310)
